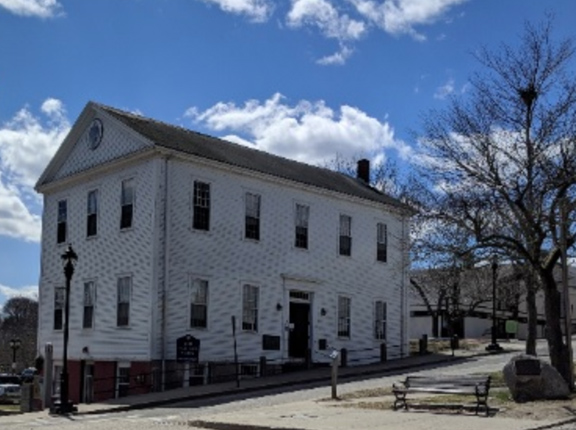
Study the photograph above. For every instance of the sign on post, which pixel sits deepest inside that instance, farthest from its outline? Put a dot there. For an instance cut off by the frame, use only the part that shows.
(188, 349)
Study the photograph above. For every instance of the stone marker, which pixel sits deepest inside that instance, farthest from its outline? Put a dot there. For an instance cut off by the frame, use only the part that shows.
(530, 378)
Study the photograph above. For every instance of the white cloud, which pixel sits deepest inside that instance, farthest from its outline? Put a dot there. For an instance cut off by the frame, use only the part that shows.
(37, 8)
(338, 58)
(402, 16)
(30, 291)
(16, 220)
(309, 132)
(445, 90)
(322, 14)
(26, 145)
(257, 10)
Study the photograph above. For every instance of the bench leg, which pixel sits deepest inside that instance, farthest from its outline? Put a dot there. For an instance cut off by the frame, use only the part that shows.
(400, 399)
(482, 400)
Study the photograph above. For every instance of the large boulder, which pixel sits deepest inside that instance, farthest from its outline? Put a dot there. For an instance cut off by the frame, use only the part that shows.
(530, 378)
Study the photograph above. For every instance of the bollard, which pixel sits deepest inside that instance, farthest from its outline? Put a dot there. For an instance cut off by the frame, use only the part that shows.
(343, 357)
(383, 353)
(262, 366)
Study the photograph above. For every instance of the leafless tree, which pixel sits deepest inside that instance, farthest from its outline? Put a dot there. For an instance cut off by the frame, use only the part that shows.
(500, 161)
(19, 320)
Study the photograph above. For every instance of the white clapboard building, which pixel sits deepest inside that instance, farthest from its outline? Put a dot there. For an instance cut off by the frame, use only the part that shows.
(177, 232)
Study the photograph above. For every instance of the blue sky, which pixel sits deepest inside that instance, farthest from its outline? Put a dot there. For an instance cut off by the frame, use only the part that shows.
(305, 79)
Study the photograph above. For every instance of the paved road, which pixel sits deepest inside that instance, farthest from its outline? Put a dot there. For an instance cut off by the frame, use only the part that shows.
(181, 414)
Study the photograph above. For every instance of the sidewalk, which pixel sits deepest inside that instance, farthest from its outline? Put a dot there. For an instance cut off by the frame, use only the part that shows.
(320, 375)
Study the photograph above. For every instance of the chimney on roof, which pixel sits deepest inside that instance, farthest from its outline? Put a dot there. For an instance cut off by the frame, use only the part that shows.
(363, 170)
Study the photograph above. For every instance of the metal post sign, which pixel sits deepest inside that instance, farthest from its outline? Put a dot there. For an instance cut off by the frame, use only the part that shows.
(187, 349)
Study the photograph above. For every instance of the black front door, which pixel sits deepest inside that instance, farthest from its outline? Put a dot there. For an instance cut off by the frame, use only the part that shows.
(300, 321)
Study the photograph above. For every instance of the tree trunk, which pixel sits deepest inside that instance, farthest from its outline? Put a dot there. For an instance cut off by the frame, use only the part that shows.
(559, 357)
(532, 312)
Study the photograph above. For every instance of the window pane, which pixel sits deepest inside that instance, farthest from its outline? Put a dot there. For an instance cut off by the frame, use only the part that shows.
(127, 204)
(92, 221)
(381, 245)
(123, 301)
(252, 218)
(62, 211)
(59, 298)
(201, 209)
(380, 320)
(250, 308)
(301, 223)
(199, 303)
(89, 300)
(128, 192)
(343, 316)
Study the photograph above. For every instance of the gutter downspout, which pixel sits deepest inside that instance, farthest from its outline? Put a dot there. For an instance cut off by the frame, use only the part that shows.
(166, 231)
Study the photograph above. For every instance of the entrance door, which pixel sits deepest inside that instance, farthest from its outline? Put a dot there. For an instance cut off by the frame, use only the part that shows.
(298, 340)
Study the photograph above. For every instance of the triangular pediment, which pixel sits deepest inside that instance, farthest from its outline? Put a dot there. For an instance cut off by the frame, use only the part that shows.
(95, 139)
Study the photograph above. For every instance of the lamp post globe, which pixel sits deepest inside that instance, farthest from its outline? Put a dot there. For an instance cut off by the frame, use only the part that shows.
(69, 258)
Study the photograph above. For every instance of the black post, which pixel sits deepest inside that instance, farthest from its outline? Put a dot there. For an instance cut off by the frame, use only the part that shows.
(494, 345)
(69, 257)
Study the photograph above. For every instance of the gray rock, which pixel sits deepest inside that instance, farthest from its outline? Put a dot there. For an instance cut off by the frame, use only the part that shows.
(530, 378)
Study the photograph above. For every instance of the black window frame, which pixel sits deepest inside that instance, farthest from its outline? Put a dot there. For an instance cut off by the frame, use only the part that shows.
(345, 241)
(201, 206)
(92, 214)
(301, 223)
(252, 216)
(62, 221)
(382, 242)
(127, 203)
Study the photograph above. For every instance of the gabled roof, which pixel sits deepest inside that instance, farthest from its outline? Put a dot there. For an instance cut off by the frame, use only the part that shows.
(201, 145)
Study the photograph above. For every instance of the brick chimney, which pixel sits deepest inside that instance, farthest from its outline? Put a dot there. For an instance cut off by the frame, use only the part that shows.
(363, 170)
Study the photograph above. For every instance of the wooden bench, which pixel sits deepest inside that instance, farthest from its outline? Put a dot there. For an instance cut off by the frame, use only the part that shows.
(477, 386)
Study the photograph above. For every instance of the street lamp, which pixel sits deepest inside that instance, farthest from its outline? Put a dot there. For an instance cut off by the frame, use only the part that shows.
(494, 345)
(14, 344)
(69, 259)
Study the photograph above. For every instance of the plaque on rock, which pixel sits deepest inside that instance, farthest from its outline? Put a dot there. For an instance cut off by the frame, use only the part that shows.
(187, 349)
(527, 367)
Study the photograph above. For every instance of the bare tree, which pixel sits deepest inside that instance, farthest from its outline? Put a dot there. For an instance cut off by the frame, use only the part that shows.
(19, 321)
(384, 175)
(501, 159)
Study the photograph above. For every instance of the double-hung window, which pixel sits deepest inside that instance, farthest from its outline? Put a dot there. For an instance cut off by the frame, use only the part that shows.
(381, 242)
(252, 223)
(198, 303)
(250, 308)
(124, 288)
(380, 320)
(92, 214)
(301, 224)
(89, 302)
(201, 210)
(62, 220)
(127, 203)
(345, 235)
(59, 308)
(344, 316)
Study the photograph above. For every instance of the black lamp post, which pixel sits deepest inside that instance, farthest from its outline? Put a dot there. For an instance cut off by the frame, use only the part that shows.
(14, 344)
(69, 259)
(494, 345)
